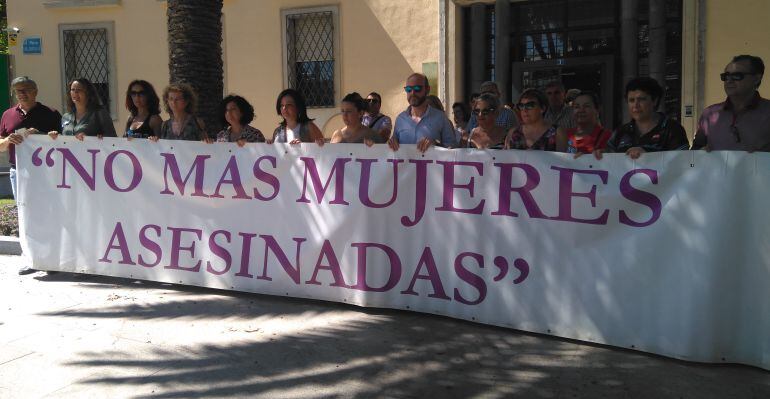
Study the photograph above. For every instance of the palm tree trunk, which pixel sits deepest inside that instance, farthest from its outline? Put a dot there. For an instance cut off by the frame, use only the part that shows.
(195, 53)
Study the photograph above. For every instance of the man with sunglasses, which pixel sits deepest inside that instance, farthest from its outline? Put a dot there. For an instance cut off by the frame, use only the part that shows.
(421, 124)
(373, 119)
(742, 121)
(505, 118)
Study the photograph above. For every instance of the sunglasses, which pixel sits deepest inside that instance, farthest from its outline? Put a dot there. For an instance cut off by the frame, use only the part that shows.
(415, 88)
(138, 93)
(483, 112)
(733, 76)
(528, 106)
(374, 100)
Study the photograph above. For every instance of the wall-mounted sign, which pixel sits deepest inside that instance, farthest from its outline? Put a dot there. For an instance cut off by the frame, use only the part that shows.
(33, 45)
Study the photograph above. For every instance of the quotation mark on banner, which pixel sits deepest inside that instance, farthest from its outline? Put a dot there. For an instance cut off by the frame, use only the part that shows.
(520, 264)
(48, 158)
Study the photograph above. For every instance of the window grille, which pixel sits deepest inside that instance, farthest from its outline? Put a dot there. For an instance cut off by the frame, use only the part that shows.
(310, 56)
(86, 56)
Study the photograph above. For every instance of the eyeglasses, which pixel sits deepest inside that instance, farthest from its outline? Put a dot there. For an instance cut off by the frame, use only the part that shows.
(374, 100)
(415, 88)
(528, 106)
(483, 112)
(138, 93)
(736, 133)
(733, 76)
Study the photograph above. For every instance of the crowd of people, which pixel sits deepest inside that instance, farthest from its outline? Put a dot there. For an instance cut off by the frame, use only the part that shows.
(551, 119)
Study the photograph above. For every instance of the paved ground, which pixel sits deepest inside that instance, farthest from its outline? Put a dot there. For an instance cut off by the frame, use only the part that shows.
(68, 335)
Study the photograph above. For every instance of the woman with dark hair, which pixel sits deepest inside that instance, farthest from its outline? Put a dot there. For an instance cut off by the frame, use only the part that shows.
(144, 105)
(352, 109)
(588, 135)
(296, 127)
(180, 101)
(487, 135)
(535, 133)
(237, 113)
(649, 130)
(86, 116)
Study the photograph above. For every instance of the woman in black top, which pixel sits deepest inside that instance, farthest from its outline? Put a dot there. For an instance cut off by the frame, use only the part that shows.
(649, 130)
(144, 105)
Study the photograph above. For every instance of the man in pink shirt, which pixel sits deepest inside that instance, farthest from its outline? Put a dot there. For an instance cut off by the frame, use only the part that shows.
(742, 121)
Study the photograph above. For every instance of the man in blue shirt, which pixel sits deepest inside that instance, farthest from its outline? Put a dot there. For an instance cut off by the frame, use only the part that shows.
(421, 124)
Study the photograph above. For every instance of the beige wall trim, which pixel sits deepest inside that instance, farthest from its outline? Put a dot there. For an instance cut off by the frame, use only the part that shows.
(79, 3)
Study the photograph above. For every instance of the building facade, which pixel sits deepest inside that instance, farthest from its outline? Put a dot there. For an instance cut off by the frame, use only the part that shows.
(333, 48)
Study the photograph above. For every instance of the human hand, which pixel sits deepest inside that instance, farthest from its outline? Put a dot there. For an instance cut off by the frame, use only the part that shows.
(15, 138)
(393, 143)
(295, 141)
(241, 142)
(53, 134)
(635, 152)
(598, 154)
(80, 136)
(154, 139)
(424, 144)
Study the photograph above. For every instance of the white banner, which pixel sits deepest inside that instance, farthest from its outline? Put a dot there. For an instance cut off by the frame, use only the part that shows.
(668, 254)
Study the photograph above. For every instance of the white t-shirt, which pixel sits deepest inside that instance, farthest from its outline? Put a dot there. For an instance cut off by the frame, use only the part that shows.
(292, 134)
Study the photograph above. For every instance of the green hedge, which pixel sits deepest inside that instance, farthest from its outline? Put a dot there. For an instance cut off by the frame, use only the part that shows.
(9, 220)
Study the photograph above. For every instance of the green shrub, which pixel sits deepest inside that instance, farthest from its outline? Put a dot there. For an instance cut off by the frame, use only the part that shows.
(9, 220)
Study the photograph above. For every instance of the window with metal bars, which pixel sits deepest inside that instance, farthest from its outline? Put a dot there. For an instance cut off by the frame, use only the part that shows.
(310, 56)
(86, 55)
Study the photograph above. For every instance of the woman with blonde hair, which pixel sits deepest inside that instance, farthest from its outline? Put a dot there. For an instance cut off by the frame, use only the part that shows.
(180, 101)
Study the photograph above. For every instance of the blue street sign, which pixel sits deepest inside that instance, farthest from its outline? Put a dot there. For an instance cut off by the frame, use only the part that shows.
(32, 45)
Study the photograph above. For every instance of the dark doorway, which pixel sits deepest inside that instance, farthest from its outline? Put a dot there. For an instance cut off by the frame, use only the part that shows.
(583, 73)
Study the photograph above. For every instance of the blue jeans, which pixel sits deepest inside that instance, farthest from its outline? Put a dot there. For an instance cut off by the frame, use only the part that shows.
(12, 176)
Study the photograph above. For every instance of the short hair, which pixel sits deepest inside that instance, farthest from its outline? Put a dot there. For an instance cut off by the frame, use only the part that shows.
(491, 100)
(555, 83)
(757, 65)
(464, 107)
(593, 96)
(422, 75)
(375, 95)
(153, 102)
(247, 110)
(23, 80)
(355, 99)
(537, 95)
(488, 83)
(475, 96)
(647, 85)
(299, 102)
(94, 101)
(187, 92)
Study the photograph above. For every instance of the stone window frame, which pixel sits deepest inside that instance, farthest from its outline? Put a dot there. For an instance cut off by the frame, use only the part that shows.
(112, 84)
(334, 9)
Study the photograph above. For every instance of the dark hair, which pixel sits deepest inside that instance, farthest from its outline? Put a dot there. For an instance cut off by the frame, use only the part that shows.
(355, 99)
(593, 96)
(435, 102)
(247, 110)
(647, 85)
(757, 66)
(153, 102)
(475, 96)
(299, 102)
(491, 100)
(376, 95)
(466, 110)
(187, 92)
(537, 95)
(555, 83)
(94, 101)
